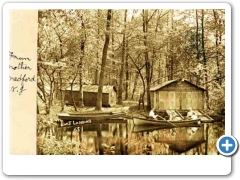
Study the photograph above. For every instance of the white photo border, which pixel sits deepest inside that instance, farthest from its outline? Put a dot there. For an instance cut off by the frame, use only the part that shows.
(113, 165)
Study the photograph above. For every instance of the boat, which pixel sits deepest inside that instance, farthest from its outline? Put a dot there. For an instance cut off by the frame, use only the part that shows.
(140, 121)
(91, 113)
(90, 116)
(181, 115)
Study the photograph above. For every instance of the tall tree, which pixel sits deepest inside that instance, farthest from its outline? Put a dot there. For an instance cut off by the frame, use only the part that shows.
(60, 71)
(96, 73)
(217, 42)
(80, 65)
(121, 75)
(146, 19)
(205, 62)
(197, 36)
(104, 59)
(127, 73)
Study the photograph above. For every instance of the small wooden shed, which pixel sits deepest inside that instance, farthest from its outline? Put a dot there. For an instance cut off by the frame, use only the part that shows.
(109, 95)
(177, 94)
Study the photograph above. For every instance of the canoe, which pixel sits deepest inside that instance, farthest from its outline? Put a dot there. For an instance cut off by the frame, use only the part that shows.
(91, 113)
(181, 114)
(139, 121)
(90, 116)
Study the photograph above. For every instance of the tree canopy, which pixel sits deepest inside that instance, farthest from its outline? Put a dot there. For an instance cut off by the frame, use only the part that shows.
(144, 48)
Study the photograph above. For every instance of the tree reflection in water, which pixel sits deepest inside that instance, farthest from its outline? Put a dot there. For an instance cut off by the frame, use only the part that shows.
(126, 139)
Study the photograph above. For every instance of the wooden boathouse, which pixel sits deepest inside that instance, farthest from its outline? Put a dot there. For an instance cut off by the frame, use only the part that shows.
(178, 94)
(109, 95)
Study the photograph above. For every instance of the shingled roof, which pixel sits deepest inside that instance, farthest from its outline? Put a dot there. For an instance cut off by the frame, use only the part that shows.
(93, 88)
(159, 86)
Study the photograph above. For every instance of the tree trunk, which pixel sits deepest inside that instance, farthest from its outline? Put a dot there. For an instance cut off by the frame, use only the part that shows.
(104, 59)
(197, 47)
(147, 62)
(155, 55)
(60, 72)
(121, 76)
(41, 87)
(96, 78)
(47, 108)
(127, 74)
(171, 51)
(142, 95)
(197, 36)
(51, 93)
(53, 90)
(61, 91)
(82, 48)
(73, 100)
(167, 72)
(114, 72)
(135, 85)
(205, 63)
(81, 84)
(219, 73)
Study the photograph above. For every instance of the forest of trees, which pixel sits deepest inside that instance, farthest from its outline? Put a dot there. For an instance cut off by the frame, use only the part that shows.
(131, 49)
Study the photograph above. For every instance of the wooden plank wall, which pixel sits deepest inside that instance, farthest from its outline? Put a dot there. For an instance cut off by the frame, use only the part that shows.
(90, 98)
(67, 96)
(178, 100)
(179, 96)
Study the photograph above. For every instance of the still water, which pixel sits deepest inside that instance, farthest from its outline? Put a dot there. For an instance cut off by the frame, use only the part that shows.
(123, 138)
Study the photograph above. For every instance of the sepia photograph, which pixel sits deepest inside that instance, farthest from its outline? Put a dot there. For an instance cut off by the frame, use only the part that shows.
(130, 81)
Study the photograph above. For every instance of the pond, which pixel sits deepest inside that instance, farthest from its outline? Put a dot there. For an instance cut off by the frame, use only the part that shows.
(123, 138)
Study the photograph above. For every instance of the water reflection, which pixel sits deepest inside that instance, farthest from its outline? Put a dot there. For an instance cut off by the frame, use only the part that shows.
(123, 138)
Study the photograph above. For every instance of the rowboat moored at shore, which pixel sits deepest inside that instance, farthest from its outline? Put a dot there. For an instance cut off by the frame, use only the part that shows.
(140, 121)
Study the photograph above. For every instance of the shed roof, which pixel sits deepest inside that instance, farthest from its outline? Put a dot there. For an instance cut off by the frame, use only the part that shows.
(159, 86)
(93, 88)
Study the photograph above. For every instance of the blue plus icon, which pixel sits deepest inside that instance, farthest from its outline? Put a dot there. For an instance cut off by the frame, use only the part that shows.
(227, 145)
